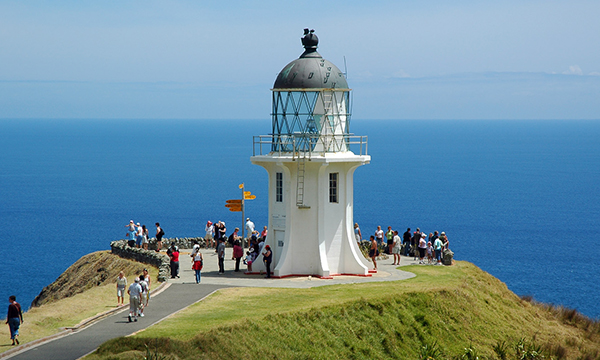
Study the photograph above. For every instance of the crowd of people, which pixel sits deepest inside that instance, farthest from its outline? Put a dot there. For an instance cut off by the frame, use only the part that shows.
(427, 248)
(138, 235)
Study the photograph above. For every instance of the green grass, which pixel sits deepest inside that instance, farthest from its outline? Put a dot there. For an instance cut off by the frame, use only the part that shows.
(461, 310)
(54, 316)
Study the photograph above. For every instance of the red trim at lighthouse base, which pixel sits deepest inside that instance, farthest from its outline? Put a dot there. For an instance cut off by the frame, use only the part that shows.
(316, 276)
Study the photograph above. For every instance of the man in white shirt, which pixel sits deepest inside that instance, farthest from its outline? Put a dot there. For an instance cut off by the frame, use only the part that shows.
(135, 292)
(249, 227)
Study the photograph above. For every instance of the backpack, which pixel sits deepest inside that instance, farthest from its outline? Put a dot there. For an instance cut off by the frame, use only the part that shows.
(162, 232)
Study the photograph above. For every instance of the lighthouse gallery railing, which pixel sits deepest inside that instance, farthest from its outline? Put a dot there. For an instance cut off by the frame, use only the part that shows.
(307, 145)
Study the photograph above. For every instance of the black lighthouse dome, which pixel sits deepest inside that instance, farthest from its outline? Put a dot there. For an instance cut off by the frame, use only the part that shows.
(310, 71)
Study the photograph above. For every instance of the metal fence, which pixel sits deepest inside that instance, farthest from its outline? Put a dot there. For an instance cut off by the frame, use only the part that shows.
(306, 145)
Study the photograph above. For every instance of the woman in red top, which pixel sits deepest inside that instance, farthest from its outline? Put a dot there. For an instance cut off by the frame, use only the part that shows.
(174, 255)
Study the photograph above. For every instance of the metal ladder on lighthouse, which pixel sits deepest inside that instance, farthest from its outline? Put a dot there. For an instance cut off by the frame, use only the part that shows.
(301, 168)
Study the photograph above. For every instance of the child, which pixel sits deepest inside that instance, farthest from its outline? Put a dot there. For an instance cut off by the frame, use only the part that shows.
(429, 252)
(250, 259)
(121, 286)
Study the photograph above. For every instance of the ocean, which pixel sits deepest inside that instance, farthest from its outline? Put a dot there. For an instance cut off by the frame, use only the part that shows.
(520, 199)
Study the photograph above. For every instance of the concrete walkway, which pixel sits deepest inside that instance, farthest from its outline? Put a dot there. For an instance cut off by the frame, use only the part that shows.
(177, 295)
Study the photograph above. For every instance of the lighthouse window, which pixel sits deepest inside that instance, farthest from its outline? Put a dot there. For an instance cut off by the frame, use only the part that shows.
(279, 187)
(333, 187)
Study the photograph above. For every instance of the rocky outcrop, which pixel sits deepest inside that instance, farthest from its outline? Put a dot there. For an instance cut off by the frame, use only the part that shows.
(91, 270)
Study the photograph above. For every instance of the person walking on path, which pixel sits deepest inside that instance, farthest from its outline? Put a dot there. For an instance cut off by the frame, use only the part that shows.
(135, 292)
(143, 295)
(121, 285)
(147, 279)
(373, 252)
(267, 256)
(396, 246)
(14, 318)
(221, 255)
(197, 265)
(159, 234)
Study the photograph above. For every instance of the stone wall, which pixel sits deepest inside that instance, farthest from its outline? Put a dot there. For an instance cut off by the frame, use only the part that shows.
(150, 256)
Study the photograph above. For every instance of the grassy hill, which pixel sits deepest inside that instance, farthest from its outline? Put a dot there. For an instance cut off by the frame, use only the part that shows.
(85, 289)
(458, 312)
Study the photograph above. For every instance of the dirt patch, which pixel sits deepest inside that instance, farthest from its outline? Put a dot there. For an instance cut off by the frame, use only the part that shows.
(91, 270)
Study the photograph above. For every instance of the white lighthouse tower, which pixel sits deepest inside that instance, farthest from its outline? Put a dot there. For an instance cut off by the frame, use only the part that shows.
(310, 158)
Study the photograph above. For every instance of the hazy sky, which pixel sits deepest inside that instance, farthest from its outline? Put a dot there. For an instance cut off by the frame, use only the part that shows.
(208, 59)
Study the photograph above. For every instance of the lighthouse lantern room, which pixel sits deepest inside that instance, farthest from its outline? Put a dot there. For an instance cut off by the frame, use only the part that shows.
(310, 157)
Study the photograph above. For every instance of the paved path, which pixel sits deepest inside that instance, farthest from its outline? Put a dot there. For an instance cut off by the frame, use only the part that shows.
(179, 294)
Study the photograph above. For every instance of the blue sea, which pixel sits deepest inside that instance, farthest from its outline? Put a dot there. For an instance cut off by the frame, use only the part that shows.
(520, 199)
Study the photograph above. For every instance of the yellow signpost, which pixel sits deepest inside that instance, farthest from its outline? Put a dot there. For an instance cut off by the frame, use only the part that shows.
(236, 205)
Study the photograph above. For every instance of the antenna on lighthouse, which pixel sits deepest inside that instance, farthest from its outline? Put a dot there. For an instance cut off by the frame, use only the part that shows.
(345, 68)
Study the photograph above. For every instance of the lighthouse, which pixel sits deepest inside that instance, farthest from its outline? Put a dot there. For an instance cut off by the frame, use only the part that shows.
(310, 158)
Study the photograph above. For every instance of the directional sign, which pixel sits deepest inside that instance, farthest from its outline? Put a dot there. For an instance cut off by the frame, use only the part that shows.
(241, 186)
(249, 197)
(247, 193)
(235, 209)
(233, 205)
(233, 202)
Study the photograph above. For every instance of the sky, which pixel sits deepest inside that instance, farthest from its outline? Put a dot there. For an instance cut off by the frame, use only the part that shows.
(218, 60)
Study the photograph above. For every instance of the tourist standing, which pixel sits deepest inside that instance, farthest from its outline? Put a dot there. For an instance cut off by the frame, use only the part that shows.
(174, 256)
(437, 247)
(267, 256)
(414, 243)
(209, 230)
(14, 318)
(121, 286)
(159, 234)
(134, 291)
(379, 236)
(389, 235)
(263, 234)
(249, 227)
(145, 237)
(139, 234)
(422, 248)
(396, 246)
(131, 231)
(406, 241)
(238, 252)
(221, 255)
(357, 234)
